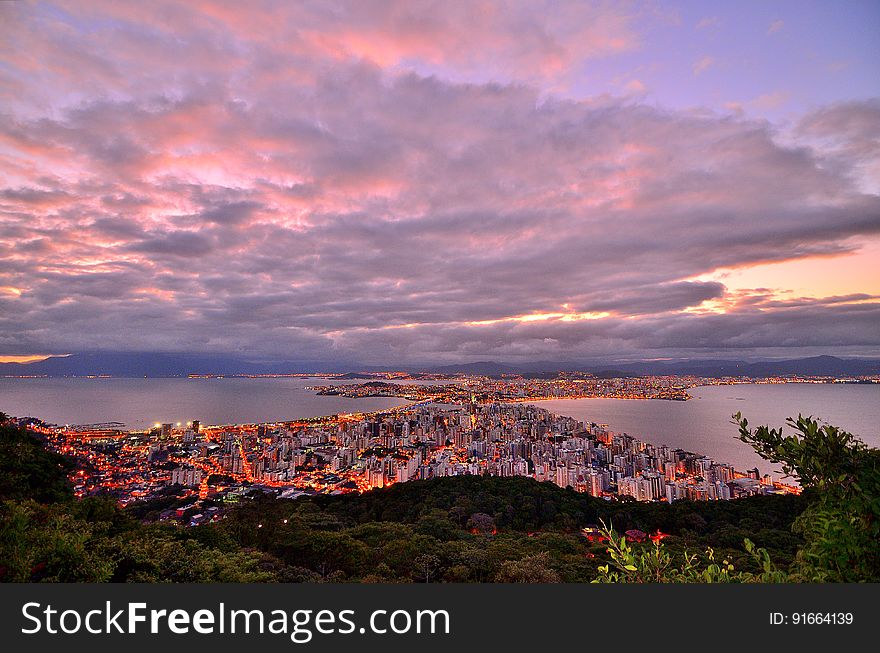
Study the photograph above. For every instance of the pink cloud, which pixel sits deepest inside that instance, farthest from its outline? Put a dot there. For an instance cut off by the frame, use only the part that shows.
(775, 26)
(702, 64)
(210, 176)
(708, 22)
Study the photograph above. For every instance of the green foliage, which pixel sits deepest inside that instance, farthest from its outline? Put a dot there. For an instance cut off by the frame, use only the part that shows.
(841, 477)
(157, 555)
(531, 569)
(46, 543)
(653, 563)
(29, 471)
(425, 566)
(95, 542)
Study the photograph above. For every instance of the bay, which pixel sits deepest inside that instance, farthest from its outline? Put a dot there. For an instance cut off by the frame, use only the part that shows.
(140, 403)
(703, 424)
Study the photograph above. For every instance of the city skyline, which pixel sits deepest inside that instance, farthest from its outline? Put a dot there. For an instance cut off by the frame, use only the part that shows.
(392, 183)
(360, 452)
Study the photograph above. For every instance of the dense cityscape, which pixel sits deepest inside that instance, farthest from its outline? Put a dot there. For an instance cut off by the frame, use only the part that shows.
(210, 467)
(565, 385)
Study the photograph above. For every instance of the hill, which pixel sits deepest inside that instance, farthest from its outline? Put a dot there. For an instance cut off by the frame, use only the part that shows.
(140, 364)
(472, 528)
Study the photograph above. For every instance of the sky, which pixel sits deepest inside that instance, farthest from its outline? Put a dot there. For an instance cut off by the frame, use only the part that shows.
(401, 182)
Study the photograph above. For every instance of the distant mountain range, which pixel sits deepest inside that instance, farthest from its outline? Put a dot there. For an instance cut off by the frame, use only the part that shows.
(816, 365)
(170, 365)
(141, 364)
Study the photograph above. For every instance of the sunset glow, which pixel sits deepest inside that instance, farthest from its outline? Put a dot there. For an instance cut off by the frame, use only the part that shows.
(413, 181)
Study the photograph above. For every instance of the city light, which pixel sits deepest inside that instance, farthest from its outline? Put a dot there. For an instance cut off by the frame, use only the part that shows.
(444, 432)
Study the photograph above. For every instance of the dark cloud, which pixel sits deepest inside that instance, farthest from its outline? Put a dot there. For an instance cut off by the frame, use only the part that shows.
(175, 243)
(33, 196)
(230, 214)
(656, 299)
(118, 227)
(274, 190)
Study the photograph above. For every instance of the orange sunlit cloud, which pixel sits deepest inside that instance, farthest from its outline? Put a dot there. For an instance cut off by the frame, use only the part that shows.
(819, 276)
(32, 358)
(426, 181)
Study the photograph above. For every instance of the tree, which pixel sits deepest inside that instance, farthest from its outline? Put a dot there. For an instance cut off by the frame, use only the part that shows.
(436, 523)
(481, 523)
(155, 554)
(28, 470)
(840, 475)
(324, 552)
(45, 543)
(531, 569)
(840, 524)
(400, 553)
(426, 566)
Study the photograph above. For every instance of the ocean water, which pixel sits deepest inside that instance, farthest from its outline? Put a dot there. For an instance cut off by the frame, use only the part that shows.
(140, 403)
(702, 425)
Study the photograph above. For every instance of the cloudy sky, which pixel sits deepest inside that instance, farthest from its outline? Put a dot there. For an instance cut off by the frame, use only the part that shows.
(396, 181)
